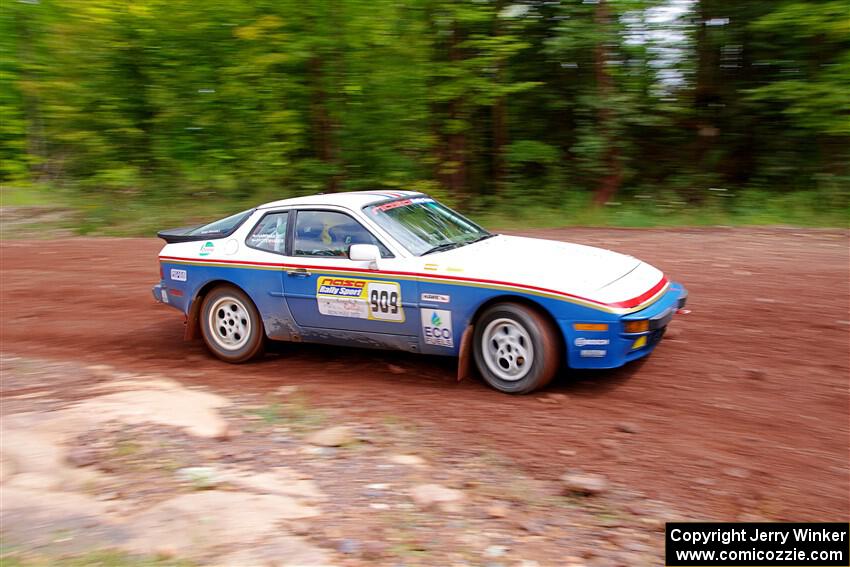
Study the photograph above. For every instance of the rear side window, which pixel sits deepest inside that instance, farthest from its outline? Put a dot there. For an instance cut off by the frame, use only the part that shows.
(270, 233)
(221, 227)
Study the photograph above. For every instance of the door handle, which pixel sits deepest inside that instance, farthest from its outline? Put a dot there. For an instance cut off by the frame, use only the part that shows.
(298, 272)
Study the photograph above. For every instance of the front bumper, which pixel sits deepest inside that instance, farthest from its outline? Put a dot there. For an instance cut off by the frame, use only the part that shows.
(614, 347)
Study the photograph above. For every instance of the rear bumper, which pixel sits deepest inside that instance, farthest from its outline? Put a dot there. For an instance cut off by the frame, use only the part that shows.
(159, 293)
(614, 347)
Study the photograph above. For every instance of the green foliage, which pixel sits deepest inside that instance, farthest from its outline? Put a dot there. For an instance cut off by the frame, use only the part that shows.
(807, 46)
(524, 152)
(476, 102)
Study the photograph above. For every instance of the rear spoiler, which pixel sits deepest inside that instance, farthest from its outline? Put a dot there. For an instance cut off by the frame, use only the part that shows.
(183, 234)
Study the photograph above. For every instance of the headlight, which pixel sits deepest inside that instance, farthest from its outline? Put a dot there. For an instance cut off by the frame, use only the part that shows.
(641, 326)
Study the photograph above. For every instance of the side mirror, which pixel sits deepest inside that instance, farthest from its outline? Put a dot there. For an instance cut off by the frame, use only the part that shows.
(365, 253)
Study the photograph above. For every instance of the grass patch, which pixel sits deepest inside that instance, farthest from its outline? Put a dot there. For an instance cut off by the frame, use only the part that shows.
(125, 449)
(93, 559)
(29, 195)
(753, 208)
(138, 214)
(294, 412)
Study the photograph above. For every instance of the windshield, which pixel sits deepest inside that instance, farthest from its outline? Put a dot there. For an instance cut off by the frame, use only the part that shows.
(423, 225)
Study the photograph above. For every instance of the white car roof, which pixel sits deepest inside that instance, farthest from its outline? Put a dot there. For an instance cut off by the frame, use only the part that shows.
(351, 200)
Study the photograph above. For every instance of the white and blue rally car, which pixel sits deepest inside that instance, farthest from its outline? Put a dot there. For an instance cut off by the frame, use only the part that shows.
(398, 270)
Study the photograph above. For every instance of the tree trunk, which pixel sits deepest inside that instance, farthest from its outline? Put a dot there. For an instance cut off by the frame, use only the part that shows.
(455, 174)
(706, 89)
(498, 113)
(613, 176)
(322, 125)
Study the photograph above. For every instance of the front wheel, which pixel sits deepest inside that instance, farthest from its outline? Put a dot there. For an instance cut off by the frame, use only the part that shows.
(230, 325)
(516, 348)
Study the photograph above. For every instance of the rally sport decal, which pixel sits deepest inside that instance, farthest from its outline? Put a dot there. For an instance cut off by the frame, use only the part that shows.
(359, 299)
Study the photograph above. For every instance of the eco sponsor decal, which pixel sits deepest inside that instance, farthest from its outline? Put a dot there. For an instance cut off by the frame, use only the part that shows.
(581, 341)
(359, 299)
(435, 297)
(207, 248)
(437, 327)
(593, 353)
(178, 275)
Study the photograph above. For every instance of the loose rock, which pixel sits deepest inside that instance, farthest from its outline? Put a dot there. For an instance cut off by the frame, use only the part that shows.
(495, 551)
(409, 460)
(736, 472)
(755, 374)
(431, 495)
(498, 510)
(332, 437)
(199, 477)
(286, 390)
(348, 546)
(587, 484)
(532, 526)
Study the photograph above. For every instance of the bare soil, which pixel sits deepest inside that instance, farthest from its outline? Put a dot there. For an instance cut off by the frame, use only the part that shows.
(741, 413)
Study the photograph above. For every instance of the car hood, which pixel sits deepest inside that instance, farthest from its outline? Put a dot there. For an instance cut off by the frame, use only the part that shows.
(592, 273)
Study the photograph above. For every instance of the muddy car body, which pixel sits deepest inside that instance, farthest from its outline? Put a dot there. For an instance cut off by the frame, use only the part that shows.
(397, 270)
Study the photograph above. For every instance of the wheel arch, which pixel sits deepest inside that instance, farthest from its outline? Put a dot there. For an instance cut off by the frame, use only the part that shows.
(524, 301)
(512, 298)
(193, 319)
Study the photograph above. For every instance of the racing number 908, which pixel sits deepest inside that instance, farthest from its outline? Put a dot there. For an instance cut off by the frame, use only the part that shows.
(384, 301)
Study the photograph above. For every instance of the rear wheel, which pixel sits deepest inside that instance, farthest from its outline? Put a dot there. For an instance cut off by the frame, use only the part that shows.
(516, 348)
(230, 325)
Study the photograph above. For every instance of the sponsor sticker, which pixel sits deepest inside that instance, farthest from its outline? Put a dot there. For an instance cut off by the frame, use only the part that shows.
(581, 341)
(359, 299)
(437, 327)
(592, 353)
(401, 203)
(178, 275)
(393, 205)
(435, 297)
(207, 248)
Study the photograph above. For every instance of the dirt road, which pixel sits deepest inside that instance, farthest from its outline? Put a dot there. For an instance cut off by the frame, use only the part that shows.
(742, 412)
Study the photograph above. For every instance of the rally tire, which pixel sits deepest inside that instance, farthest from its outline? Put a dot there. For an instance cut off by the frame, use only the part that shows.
(515, 348)
(231, 326)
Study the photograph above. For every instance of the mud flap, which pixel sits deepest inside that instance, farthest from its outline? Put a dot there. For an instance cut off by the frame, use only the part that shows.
(464, 361)
(190, 331)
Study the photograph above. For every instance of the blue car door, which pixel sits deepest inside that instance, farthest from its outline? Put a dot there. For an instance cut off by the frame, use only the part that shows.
(325, 290)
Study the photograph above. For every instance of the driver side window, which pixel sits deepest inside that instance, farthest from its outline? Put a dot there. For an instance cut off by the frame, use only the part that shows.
(330, 234)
